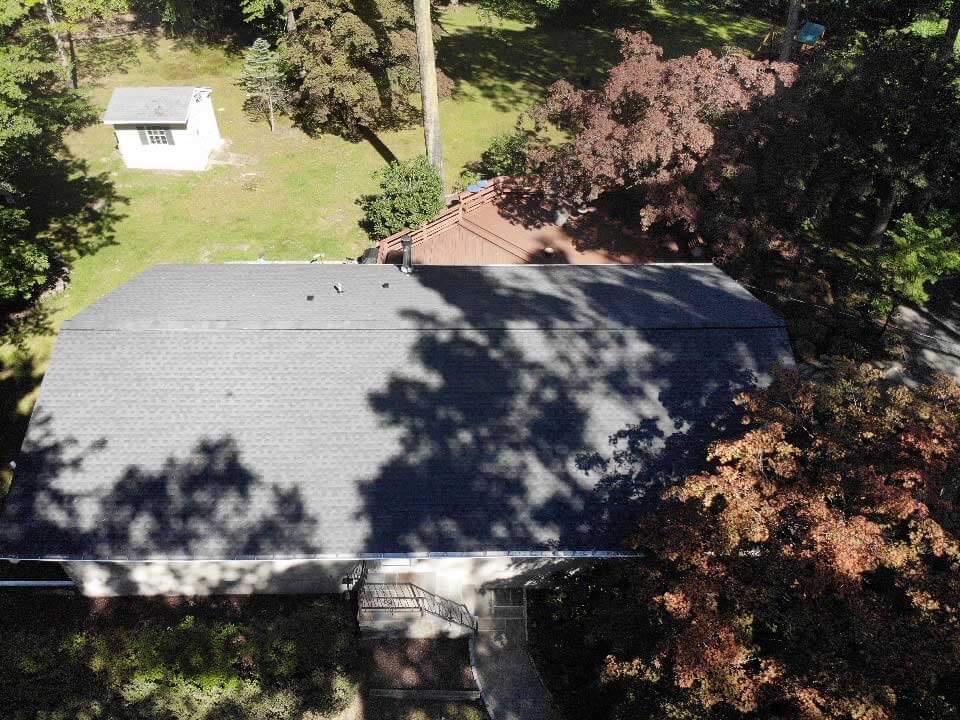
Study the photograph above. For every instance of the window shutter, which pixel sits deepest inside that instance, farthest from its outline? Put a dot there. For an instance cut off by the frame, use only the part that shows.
(169, 133)
(142, 131)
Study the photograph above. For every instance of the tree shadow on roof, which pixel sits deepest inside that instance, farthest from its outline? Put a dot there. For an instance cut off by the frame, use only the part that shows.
(506, 433)
(205, 505)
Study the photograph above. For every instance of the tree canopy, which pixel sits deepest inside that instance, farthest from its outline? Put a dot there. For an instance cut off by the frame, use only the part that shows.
(812, 571)
(410, 193)
(50, 208)
(651, 122)
(355, 65)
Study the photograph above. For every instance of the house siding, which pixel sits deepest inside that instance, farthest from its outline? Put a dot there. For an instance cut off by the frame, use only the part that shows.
(192, 142)
(241, 577)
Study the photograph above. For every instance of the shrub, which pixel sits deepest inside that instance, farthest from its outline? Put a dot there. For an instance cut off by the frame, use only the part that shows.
(411, 193)
(264, 660)
(506, 155)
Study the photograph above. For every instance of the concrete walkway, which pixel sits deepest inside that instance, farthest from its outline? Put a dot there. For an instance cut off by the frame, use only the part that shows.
(509, 683)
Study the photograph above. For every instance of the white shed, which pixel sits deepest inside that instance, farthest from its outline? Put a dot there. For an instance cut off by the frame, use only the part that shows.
(164, 128)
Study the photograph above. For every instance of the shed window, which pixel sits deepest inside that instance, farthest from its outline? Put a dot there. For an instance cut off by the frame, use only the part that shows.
(155, 136)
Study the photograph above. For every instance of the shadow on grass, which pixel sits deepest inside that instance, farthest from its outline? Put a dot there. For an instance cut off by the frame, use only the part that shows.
(512, 67)
(99, 58)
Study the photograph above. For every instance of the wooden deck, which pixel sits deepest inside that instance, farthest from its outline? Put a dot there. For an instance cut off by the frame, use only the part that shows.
(502, 225)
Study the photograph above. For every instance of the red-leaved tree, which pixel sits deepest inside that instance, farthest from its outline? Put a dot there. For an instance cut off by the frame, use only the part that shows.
(812, 572)
(651, 122)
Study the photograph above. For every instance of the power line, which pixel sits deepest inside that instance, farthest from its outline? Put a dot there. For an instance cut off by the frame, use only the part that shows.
(921, 336)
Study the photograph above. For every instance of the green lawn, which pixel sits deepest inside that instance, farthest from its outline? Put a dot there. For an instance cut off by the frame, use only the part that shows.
(289, 197)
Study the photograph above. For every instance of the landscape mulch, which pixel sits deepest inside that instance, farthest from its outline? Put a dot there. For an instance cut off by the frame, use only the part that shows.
(421, 663)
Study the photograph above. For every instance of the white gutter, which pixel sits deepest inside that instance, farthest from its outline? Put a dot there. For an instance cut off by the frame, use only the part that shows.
(520, 554)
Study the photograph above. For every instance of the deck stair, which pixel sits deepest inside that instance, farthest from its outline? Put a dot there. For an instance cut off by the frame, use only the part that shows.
(401, 597)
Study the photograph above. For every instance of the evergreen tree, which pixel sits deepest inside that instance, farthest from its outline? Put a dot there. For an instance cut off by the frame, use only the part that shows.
(915, 255)
(263, 81)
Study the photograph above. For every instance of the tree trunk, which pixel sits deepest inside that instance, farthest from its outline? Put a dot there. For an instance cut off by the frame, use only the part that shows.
(793, 24)
(270, 109)
(291, 21)
(884, 212)
(62, 53)
(949, 46)
(889, 318)
(428, 84)
(72, 50)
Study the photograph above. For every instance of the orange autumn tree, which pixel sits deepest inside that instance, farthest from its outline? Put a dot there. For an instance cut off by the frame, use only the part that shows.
(813, 571)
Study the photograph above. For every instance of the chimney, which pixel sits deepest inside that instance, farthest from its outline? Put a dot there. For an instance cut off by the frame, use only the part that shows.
(407, 266)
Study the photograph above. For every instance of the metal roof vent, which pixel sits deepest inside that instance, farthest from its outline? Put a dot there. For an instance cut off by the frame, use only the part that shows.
(407, 266)
(338, 287)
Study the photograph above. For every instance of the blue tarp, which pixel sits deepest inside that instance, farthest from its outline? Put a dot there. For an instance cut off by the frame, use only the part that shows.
(810, 33)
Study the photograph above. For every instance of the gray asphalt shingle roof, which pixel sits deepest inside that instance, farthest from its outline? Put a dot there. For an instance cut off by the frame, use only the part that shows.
(149, 105)
(216, 411)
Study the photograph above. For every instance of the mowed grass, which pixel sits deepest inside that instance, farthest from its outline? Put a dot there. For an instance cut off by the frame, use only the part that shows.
(287, 196)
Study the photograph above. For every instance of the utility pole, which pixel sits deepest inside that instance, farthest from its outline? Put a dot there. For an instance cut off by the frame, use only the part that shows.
(428, 84)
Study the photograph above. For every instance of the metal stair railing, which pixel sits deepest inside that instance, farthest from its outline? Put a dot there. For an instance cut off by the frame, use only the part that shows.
(358, 574)
(407, 596)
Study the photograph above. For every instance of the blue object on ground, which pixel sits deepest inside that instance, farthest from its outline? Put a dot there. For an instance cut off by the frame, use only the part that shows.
(483, 183)
(810, 33)
(473, 187)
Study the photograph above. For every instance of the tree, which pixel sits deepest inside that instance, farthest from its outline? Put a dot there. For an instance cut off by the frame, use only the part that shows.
(65, 17)
(410, 194)
(51, 208)
(651, 122)
(254, 10)
(506, 155)
(428, 84)
(915, 255)
(812, 571)
(863, 137)
(263, 80)
(356, 65)
(951, 37)
(790, 30)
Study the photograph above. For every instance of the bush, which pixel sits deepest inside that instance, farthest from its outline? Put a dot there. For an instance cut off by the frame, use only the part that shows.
(411, 193)
(259, 659)
(506, 155)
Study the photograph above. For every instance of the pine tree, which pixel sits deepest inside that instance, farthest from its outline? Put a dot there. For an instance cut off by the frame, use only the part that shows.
(263, 81)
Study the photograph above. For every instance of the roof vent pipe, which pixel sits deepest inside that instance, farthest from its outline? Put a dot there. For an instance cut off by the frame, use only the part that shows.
(407, 266)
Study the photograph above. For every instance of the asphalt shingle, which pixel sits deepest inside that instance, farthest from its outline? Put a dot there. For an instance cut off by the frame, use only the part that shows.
(217, 412)
(149, 105)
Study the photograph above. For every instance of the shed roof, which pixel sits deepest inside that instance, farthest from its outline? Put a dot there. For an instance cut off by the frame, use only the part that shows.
(241, 411)
(149, 105)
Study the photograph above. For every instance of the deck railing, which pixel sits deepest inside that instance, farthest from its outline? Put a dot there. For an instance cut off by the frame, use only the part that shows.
(407, 596)
(465, 204)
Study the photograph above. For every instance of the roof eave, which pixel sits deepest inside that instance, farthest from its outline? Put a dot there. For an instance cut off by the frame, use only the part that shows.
(151, 121)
